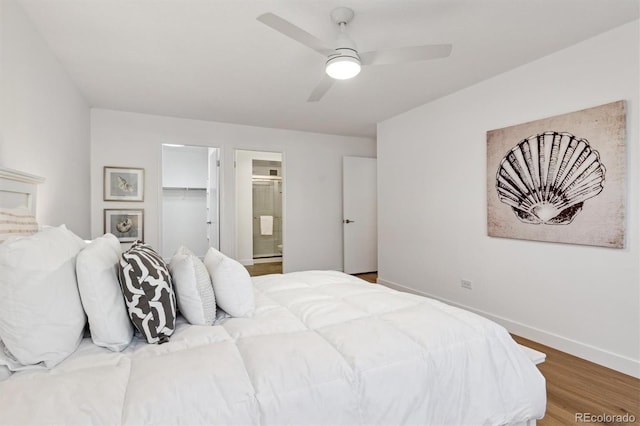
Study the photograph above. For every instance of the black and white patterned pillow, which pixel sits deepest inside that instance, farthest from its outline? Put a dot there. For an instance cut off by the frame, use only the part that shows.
(148, 292)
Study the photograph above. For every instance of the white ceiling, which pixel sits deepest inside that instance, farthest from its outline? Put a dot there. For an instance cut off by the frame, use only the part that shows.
(212, 60)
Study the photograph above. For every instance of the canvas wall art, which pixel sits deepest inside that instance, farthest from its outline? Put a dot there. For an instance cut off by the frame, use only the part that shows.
(559, 179)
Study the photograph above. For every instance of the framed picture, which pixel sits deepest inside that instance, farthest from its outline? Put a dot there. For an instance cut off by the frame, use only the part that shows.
(560, 179)
(126, 224)
(123, 184)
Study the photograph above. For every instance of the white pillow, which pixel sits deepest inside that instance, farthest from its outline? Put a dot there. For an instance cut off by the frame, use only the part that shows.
(231, 284)
(5, 373)
(97, 270)
(41, 317)
(192, 284)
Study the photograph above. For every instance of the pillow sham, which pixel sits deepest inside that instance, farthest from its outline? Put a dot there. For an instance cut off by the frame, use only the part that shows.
(148, 292)
(17, 222)
(97, 271)
(231, 284)
(41, 316)
(192, 284)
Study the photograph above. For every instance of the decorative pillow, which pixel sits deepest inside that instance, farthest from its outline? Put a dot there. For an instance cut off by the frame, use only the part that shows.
(17, 222)
(97, 270)
(41, 316)
(148, 292)
(192, 284)
(231, 284)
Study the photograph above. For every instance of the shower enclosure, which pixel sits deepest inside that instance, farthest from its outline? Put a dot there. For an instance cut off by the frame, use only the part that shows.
(267, 209)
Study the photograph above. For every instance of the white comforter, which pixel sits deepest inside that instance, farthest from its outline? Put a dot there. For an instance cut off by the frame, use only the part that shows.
(322, 348)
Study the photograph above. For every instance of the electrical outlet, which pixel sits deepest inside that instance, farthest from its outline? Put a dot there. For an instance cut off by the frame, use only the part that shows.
(466, 284)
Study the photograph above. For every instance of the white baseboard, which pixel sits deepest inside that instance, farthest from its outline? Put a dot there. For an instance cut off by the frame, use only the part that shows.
(608, 359)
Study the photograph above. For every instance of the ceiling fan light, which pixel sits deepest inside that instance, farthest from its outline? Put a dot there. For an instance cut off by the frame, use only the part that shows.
(343, 67)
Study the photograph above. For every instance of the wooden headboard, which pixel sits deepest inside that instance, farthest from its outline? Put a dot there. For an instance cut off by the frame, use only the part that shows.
(18, 189)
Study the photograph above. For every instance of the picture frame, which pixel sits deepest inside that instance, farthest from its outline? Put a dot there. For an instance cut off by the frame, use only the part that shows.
(123, 184)
(126, 224)
(560, 179)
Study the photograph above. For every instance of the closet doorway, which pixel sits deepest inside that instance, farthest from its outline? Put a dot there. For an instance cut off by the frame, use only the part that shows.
(190, 199)
(259, 210)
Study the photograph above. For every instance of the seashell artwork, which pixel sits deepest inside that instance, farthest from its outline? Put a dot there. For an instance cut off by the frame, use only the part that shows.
(124, 185)
(124, 225)
(546, 178)
(559, 179)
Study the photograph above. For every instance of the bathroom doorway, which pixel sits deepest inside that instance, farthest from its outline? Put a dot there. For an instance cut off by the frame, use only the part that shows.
(266, 183)
(259, 211)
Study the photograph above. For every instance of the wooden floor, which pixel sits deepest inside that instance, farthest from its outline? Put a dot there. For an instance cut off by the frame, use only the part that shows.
(577, 386)
(369, 276)
(264, 268)
(276, 268)
(574, 386)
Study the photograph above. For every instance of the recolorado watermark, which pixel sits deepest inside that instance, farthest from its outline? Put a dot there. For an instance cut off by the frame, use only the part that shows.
(604, 418)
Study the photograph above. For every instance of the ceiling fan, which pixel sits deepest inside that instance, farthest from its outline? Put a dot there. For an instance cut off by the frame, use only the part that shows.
(344, 61)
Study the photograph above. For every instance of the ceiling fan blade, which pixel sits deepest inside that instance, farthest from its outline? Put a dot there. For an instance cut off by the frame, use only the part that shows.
(298, 34)
(322, 88)
(406, 54)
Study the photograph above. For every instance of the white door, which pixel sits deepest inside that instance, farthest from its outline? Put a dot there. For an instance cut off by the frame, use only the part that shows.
(360, 218)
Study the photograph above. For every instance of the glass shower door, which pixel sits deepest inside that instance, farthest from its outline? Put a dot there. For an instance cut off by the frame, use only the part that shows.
(267, 216)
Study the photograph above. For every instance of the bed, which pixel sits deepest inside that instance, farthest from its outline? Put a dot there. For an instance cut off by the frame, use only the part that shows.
(318, 348)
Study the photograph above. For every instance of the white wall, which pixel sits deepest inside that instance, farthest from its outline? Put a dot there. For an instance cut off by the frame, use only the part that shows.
(313, 163)
(432, 207)
(185, 167)
(44, 122)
